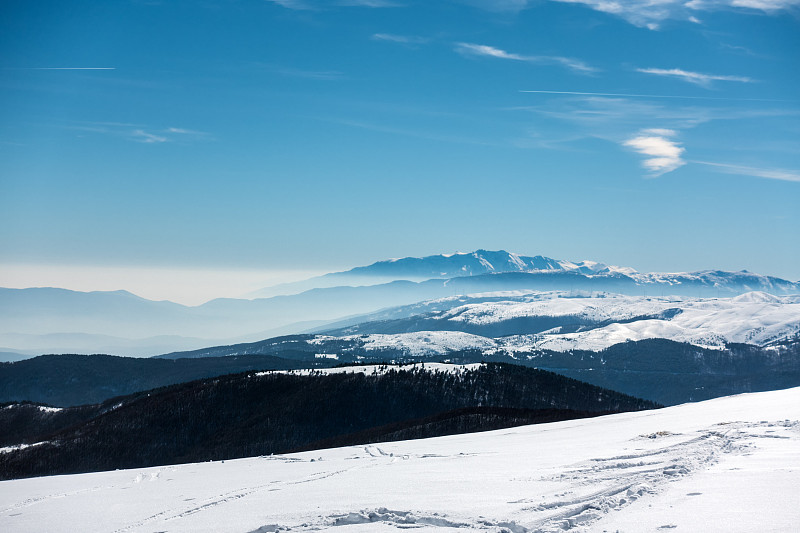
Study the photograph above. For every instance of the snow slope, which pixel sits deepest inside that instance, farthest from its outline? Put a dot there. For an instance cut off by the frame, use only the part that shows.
(753, 318)
(730, 464)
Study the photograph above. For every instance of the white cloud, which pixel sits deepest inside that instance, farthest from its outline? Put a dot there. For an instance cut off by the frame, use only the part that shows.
(499, 5)
(402, 39)
(661, 132)
(693, 77)
(491, 51)
(141, 133)
(291, 4)
(369, 3)
(662, 154)
(145, 137)
(767, 173)
(678, 96)
(649, 13)
(320, 4)
(184, 131)
(761, 5)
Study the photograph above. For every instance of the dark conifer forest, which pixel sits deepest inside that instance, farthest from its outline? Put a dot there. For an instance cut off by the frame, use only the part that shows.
(253, 414)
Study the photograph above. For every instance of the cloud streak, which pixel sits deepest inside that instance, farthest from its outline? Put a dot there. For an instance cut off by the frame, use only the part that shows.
(650, 13)
(401, 39)
(698, 78)
(766, 173)
(165, 135)
(140, 133)
(482, 50)
(303, 5)
(147, 138)
(326, 75)
(64, 68)
(627, 95)
(662, 155)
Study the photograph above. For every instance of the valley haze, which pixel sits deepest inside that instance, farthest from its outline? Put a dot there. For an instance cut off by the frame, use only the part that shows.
(45, 320)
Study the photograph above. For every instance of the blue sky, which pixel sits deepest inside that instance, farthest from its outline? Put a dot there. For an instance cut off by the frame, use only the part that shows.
(309, 135)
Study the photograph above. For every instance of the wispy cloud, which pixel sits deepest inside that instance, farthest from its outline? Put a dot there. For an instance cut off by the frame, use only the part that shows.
(170, 134)
(650, 13)
(402, 39)
(322, 4)
(370, 3)
(483, 50)
(662, 155)
(761, 5)
(766, 173)
(499, 5)
(140, 133)
(184, 131)
(613, 118)
(697, 78)
(686, 97)
(325, 75)
(292, 4)
(148, 138)
(489, 51)
(67, 68)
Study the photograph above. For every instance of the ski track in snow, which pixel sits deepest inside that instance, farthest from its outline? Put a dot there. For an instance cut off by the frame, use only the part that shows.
(574, 475)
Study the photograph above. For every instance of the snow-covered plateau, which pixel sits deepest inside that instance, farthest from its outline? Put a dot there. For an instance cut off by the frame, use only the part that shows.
(608, 319)
(729, 465)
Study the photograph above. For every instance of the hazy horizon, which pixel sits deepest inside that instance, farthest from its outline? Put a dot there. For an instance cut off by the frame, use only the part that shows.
(187, 286)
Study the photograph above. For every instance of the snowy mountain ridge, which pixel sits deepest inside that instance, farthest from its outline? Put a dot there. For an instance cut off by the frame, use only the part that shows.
(443, 266)
(456, 265)
(604, 320)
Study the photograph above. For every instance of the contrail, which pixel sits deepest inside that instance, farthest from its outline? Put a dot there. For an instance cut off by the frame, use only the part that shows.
(660, 96)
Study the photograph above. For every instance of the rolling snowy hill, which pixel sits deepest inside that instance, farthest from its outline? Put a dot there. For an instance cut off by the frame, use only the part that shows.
(666, 349)
(563, 321)
(725, 465)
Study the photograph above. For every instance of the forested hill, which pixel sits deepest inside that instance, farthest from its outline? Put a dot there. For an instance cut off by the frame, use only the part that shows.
(263, 413)
(68, 380)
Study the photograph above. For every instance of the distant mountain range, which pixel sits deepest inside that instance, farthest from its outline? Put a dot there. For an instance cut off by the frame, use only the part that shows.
(47, 320)
(443, 266)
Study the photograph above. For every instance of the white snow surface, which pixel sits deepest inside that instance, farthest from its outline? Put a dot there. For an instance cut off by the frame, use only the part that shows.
(754, 318)
(7, 449)
(418, 343)
(725, 465)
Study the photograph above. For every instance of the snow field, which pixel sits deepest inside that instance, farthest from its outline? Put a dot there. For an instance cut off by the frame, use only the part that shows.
(752, 318)
(730, 464)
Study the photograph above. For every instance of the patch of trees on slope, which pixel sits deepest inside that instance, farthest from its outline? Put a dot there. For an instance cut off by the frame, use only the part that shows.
(660, 370)
(247, 414)
(69, 380)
